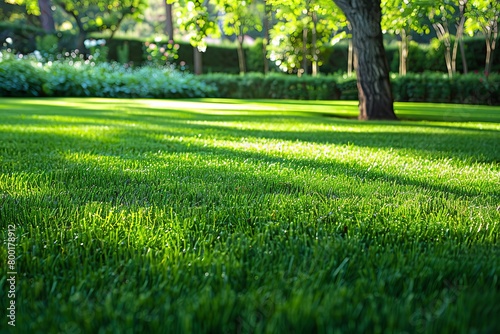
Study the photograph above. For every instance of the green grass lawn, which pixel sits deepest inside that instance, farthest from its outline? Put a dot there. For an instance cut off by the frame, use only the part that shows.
(138, 216)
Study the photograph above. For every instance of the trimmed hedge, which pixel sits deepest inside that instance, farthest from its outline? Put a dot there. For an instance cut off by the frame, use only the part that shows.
(428, 87)
(28, 77)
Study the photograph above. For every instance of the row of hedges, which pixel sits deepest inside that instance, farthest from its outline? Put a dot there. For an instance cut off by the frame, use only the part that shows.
(223, 58)
(428, 87)
(78, 78)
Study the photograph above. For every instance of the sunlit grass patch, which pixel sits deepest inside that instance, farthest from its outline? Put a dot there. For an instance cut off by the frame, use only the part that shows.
(216, 215)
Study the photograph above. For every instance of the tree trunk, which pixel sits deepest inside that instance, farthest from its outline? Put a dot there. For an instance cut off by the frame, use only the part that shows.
(304, 52)
(443, 35)
(80, 41)
(489, 58)
(491, 35)
(46, 17)
(374, 87)
(82, 34)
(403, 53)
(350, 54)
(265, 42)
(314, 46)
(459, 37)
(241, 53)
(197, 59)
(169, 24)
(350, 58)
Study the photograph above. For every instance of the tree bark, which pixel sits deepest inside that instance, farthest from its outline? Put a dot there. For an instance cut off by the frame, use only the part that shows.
(314, 46)
(197, 59)
(491, 35)
(350, 58)
(443, 35)
(241, 52)
(374, 87)
(46, 17)
(403, 52)
(459, 36)
(489, 57)
(350, 54)
(265, 42)
(169, 23)
(304, 52)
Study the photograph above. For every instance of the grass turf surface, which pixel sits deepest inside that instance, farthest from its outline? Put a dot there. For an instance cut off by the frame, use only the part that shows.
(249, 216)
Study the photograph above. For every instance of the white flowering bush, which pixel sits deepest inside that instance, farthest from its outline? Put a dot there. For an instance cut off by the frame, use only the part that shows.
(21, 75)
(72, 75)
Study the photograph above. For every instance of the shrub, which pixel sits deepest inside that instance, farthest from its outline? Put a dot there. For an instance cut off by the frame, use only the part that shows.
(47, 45)
(78, 77)
(282, 86)
(426, 87)
(20, 77)
(437, 87)
(27, 76)
(114, 80)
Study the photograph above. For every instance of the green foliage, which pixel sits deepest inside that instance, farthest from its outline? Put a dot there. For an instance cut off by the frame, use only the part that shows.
(135, 50)
(238, 17)
(229, 216)
(78, 77)
(196, 20)
(30, 5)
(75, 76)
(123, 53)
(275, 86)
(482, 16)
(21, 77)
(302, 32)
(47, 45)
(422, 57)
(23, 36)
(98, 50)
(161, 54)
(428, 87)
(404, 15)
(435, 87)
(102, 15)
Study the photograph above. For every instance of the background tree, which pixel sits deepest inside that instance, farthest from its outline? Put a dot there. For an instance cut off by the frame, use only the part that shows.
(483, 16)
(33, 8)
(302, 30)
(46, 17)
(462, 10)
(402, 18)
(374, 87)
(99, 16)
(444, 14)
(195, 19)
(169, 21)
(238, 17)
(267, 17)
(30, 5)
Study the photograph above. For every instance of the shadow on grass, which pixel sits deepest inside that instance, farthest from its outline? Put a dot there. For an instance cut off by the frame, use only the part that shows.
(143, 178)
(446, 139)
(52, 151)
(127, 138)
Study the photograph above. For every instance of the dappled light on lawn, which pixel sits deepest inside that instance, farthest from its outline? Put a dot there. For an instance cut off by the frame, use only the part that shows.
(152, 214)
